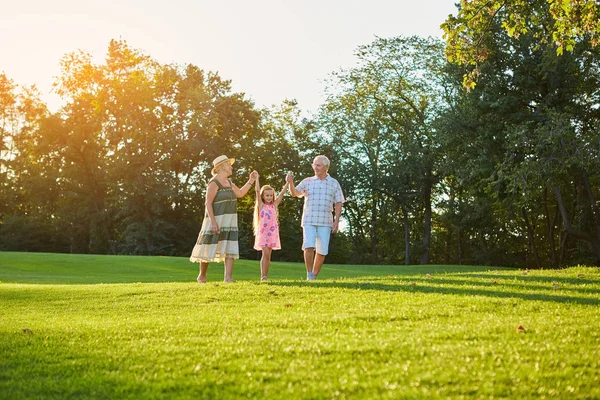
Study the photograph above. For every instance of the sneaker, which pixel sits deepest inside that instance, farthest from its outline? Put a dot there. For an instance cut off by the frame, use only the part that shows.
(310, 276)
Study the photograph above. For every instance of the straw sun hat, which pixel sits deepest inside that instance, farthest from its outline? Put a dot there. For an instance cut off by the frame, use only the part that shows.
(220, 160)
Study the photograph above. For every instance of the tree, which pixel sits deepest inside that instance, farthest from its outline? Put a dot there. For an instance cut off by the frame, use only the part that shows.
(28, 199)
(526, 136)
(123, 166)
(380, 117)
(8, 129)
(276, 150)
(132, 149)
(556, 23)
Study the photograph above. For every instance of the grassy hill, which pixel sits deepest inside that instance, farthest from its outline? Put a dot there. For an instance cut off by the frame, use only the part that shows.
(82, 326)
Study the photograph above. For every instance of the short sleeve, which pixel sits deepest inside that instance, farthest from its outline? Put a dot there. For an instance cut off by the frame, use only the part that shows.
(339, 196)
(302, 186)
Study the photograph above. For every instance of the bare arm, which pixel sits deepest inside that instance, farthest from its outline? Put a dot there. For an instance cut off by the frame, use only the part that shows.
(241, 192)
(336, 217)
(281, 194)
(290, 180)
(211, 193)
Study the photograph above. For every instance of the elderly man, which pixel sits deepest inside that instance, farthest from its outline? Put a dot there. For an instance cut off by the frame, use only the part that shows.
(322, 195)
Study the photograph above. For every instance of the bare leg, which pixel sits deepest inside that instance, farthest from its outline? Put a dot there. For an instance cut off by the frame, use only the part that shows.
(202, 276)
(319, 260)
(309, 257)
(265, 262)
(228, 270)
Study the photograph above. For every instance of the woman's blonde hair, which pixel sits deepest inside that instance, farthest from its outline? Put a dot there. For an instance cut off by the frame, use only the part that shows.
(256, 219)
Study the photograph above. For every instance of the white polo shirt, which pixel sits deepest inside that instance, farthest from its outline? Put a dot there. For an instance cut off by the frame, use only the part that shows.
(320, 196)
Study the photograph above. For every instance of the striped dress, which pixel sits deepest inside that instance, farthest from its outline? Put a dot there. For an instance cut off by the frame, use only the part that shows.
(215, 247)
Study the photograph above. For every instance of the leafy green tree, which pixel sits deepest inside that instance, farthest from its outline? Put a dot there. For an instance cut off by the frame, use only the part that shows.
(284, 135)
(8, 129)
(28, 218)
(133, 145)
(380, 117)
(556, 23)
(81, 148)
(528, 132)
(123, 166)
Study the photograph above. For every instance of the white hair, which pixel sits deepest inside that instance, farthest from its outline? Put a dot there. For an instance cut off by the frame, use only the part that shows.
(323, 159)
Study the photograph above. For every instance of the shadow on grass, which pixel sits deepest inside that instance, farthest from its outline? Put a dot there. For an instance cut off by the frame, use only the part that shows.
(527, 283)
(425, 286)
(533, 278)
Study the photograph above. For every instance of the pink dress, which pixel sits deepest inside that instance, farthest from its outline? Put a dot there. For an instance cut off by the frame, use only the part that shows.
(268, 231)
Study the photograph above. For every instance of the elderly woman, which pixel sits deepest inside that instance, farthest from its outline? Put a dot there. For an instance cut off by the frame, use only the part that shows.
(218, 238)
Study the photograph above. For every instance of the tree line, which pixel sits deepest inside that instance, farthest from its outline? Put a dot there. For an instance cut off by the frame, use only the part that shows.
(505, 173)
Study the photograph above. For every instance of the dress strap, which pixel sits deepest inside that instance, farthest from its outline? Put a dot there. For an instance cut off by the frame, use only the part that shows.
(221, 187)
(215, 180)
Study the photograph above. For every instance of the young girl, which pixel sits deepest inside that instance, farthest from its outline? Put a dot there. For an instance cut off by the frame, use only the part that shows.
(266, 225)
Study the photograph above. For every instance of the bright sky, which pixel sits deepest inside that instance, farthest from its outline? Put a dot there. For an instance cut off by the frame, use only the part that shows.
(271, 50)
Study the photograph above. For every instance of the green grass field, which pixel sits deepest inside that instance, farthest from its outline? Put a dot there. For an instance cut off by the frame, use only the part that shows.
(125, 327)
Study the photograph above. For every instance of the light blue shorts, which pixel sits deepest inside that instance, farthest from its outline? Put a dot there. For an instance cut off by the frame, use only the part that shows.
(316, 237)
